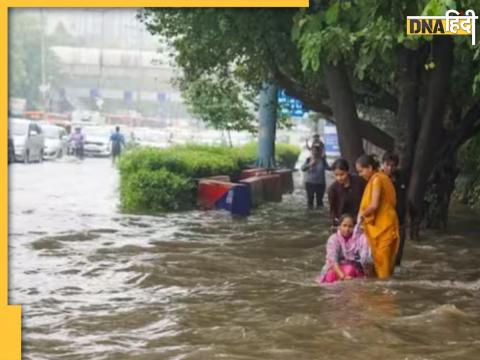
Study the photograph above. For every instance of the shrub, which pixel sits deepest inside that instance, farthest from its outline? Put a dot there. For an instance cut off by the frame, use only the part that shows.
(155, 190)
(155, 180)
(286, 155)
(190, 160)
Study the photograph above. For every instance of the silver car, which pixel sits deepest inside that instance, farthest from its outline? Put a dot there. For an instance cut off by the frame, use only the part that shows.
(97, 141)
(28, 140)
(56, 140)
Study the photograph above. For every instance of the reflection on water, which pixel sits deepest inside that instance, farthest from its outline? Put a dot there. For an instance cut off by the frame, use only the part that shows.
(96, 284)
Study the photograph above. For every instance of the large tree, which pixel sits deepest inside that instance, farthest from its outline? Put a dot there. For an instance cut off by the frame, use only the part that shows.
(223, 105)
(351, 62)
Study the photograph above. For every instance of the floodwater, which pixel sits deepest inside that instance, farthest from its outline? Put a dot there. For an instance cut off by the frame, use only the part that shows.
(98, 284)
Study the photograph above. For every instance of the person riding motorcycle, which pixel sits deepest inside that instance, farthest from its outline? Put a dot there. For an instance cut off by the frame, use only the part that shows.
(77, 141)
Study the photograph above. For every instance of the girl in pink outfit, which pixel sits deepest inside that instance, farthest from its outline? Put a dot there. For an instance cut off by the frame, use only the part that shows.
(348, 253)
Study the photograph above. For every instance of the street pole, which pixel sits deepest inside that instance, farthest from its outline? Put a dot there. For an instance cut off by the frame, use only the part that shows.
(102, 44)
(43, 86)
(99, 100)
(140, 70)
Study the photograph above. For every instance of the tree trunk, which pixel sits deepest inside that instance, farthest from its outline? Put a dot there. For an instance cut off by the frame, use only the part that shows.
(440, 188)
(431, 130)
(344, 111)
(268, 122)
(407, 122)
(407, 116)
(442, 181)
(408, 67)
(229, 135)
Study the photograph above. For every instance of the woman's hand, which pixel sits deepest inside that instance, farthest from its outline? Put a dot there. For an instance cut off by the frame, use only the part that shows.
(339, 272)
(360, 218)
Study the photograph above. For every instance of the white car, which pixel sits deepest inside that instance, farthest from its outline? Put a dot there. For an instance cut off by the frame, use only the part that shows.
(56, 141)
(97, 141)
(28, 140)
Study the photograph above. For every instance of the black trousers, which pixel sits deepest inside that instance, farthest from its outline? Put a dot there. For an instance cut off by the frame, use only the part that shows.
(78, 152)
(315, 190)
(398, 259)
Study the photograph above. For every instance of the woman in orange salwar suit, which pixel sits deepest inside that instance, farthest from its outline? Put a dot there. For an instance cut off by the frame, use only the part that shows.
(378, 215)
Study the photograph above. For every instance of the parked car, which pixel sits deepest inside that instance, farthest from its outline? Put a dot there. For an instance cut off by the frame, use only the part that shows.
(97, 141)
(28, 140)
(56, 140)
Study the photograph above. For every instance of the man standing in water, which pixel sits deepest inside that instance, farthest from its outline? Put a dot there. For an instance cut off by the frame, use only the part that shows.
(314, 169)
(390, 168)
(315, 142)
(118, 141)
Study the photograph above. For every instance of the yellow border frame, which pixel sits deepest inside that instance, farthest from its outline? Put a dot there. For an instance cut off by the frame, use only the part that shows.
(10, 315)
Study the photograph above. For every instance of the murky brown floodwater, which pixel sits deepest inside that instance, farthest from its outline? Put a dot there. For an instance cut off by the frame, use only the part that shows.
(96, 284)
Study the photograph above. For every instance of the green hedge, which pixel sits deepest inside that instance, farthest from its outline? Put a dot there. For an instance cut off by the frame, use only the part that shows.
(154, 180)
(155, 191)
(286, 155)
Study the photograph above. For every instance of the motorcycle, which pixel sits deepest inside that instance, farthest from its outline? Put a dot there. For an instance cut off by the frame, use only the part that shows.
(76, 150)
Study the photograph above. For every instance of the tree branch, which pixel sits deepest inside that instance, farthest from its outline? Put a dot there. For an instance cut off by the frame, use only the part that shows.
(476, 129)
(371, 94)
(376, 136)
(368, 131)
(469, 126)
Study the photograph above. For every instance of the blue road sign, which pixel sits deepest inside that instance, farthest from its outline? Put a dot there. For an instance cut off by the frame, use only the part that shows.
(290, 106)
(127, 96)
(161, 97)
(94, 93)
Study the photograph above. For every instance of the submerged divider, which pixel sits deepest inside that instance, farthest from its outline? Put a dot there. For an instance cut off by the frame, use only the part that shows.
(286, 180)
(255, 183)
(256, 186)
(217, 194)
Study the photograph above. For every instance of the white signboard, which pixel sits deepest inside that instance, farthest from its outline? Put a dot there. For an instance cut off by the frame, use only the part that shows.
(332, 148)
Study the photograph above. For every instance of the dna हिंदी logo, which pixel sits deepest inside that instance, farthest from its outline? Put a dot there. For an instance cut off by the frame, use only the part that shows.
(453, 23)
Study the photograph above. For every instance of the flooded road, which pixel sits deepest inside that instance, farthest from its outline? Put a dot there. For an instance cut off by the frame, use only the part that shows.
(97, 284)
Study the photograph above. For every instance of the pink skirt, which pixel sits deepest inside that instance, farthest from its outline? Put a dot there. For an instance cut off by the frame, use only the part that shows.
(331, 276)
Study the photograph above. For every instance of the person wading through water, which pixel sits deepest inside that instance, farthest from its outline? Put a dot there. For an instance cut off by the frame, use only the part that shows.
(345, 193)
(314, 169)
(378, 216)
(118, 141)
(390, 163)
